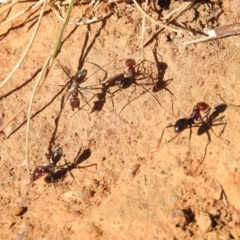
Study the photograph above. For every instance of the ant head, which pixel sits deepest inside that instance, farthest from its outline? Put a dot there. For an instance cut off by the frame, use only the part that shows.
(130, 62)
(37, 173)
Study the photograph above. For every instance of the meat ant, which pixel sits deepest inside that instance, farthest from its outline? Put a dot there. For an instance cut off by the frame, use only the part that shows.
(123, 83)
(78, 79)
(55, 176)
(128, 81)
(75, 88)
(39, 171)
(189, 122)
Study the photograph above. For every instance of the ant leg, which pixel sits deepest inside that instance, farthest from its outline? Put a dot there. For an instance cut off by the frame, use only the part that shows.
(160, 139)
(112, 94)
(87, 102)
(146, 90)
(129, 103)
(94, 164)
(190, 134)
(205, 151)
(218, 124)
(168, 91)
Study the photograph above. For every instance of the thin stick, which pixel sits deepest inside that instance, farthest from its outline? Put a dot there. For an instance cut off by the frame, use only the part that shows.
(153, 20)
(22, 12)
(9, 6)
(181, 9)
(142, 30)
(27, 49)
(33, 93)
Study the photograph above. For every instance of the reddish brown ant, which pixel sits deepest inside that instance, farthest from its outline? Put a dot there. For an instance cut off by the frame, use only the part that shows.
(53, 175)
(75, 89)
(122, 82)
(78, 79)
(126, 82)
(183, 123)
(39, 171)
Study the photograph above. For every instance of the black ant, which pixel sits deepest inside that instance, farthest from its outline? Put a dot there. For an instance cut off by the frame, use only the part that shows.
(123, 83)
(75, 88)
(39, 171)
(55, 176)
(78, 79)
(183, 123)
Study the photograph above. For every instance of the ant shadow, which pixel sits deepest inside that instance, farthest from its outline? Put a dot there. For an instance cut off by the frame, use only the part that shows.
(161, 67)
(21, 86)
(210, 122)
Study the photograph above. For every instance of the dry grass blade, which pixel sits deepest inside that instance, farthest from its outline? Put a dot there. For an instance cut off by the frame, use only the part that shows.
(177, 11)
(9, 6)
(143, 29)
(153, 20)
(82, 19)
(43, 73)
(22, 12)
(28, 47)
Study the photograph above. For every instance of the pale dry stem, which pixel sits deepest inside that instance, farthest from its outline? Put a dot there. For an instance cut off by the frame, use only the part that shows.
(42, 76)
(28, 47)
(22, 12)
(9, 6)
(178, 11)
(155, 21)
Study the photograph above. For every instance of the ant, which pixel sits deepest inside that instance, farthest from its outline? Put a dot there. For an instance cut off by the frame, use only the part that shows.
(55, 176)
(183, 123)
(75, 88)
(78, 79)
(123, 83)
(39, 171)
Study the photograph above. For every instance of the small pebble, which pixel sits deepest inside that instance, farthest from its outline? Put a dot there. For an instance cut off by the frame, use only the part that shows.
(204, 222)
(236, 218)
(17, 211)
(91, 183)
(217, 194)
(72, 196)
(92, 230)
(179, 218)
(133, 170)
(214, 212)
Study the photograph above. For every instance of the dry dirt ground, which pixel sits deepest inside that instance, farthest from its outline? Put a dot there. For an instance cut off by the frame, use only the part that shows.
(136, 187)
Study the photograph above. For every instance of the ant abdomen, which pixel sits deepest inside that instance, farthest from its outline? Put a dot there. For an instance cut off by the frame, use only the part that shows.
(80, 75)
(125, 83)
(182, 124)
(75, 102)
